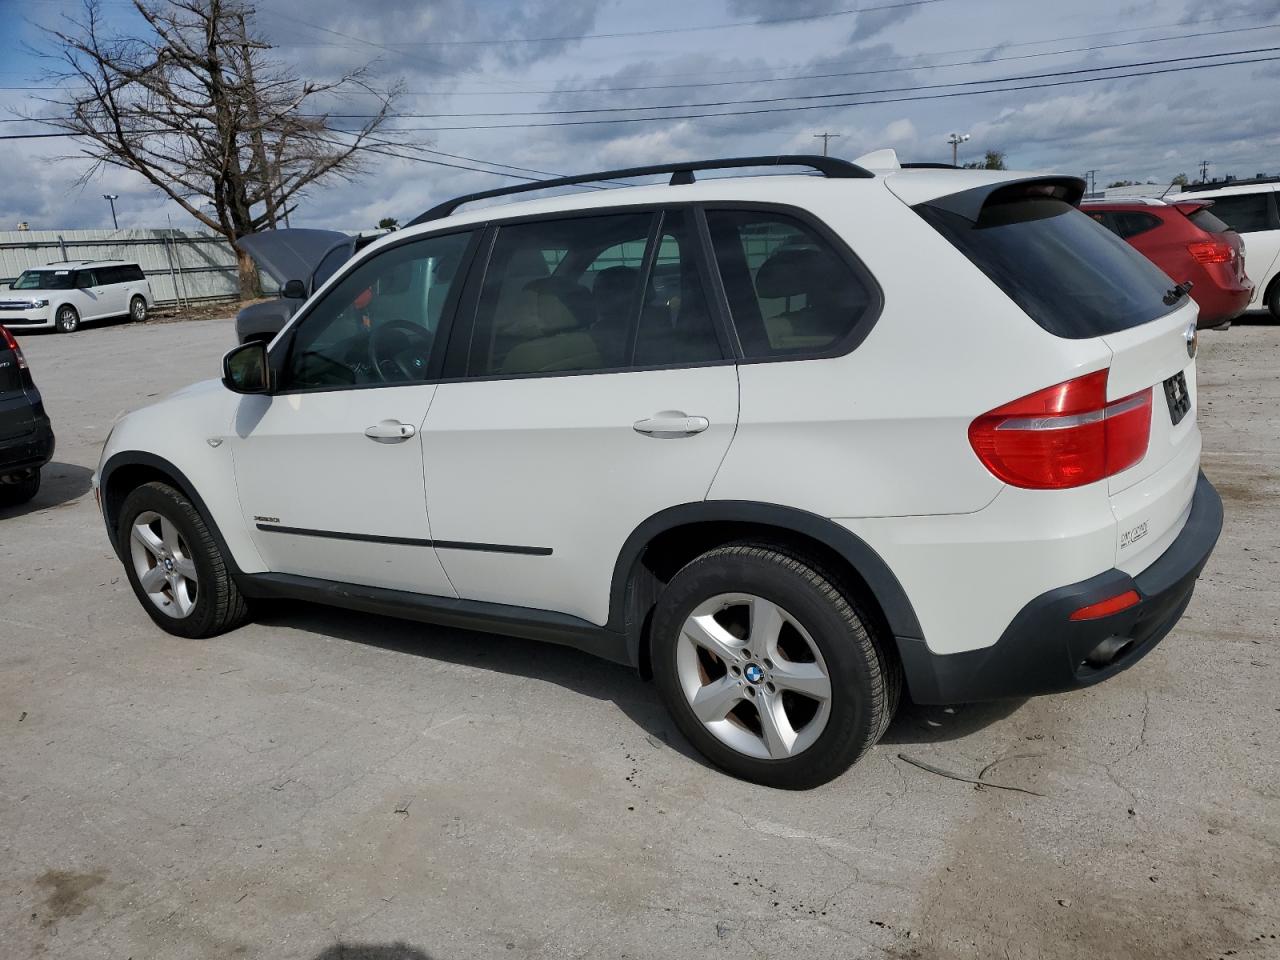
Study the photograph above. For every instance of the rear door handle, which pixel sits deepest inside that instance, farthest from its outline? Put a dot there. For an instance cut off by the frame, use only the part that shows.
(390, 431)
(670, 424)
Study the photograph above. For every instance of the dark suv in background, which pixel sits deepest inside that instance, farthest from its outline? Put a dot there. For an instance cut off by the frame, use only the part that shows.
(1185, 240)
(26, 439)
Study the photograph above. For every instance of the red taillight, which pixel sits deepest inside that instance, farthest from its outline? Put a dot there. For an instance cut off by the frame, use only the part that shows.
(1105, 608)
(12, 344)
(1212, 251)
(1066, 435)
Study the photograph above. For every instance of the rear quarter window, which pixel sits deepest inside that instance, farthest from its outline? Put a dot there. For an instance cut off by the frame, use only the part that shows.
(1068, 273)
(1205, 220)
(1246, 212)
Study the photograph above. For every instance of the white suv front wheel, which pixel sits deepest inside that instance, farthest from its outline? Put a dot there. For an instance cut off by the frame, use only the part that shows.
(67, 319)
(174, 564)
(768, 668)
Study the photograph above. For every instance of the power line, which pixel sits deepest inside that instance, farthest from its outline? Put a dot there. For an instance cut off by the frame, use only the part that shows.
(821, 76)
(830, 106)
(788, 109)
(809, 96)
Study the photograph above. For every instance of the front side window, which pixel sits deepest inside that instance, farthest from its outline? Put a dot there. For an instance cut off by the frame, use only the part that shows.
(378, 324)
(789, 292)
(559, 296)
(1245, 212)
(44, 280)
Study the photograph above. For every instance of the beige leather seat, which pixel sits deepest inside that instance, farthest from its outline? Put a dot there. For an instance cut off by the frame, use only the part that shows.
(555, 315)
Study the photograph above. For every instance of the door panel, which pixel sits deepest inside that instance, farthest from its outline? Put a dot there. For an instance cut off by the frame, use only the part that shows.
(556, 469)
(323, 499)
(556, 463)
(329, 469)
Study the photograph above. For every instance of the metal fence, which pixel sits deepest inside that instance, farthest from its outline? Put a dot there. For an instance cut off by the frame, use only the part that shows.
(180, 264)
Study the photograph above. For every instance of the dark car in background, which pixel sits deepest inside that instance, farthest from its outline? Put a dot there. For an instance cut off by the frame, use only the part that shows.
(26, 438)
(299, 261)
(1185, 240)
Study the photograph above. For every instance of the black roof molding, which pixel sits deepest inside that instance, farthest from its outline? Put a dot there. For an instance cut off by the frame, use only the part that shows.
(681, 173)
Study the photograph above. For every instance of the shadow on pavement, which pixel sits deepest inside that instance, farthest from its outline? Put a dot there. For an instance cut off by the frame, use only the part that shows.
(916, 723)
(59, 483)
(564, 666)
(371, 951)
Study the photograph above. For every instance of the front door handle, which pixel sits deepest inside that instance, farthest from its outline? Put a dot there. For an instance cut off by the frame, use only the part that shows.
(390, 431)
(670, 424)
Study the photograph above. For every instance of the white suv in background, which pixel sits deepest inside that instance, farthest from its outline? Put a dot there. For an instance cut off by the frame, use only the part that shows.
(719, 430)
(65, 294)
(1252, 209)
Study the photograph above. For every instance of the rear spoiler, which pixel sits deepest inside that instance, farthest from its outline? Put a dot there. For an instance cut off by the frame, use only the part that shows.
(969, 203)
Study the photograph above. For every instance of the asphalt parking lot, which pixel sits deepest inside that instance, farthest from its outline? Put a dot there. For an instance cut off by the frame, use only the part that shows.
(322, 784)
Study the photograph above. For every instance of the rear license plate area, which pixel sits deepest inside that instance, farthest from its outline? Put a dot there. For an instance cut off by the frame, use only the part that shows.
(1175, 392)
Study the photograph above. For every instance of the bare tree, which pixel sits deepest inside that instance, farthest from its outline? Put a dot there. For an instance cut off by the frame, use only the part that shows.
(197, 107)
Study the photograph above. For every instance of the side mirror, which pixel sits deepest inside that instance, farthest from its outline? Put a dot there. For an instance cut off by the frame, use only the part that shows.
(245, 369)
(294, 290)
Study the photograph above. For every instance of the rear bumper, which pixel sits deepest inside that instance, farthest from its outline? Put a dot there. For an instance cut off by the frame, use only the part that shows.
(1219, 304)
(1043, 651)
(31, 451)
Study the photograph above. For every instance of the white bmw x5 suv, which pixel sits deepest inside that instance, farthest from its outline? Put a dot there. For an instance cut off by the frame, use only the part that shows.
(783, 443)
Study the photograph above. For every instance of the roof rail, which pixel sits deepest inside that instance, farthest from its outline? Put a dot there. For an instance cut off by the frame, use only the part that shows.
(681, 173)
(926, 165)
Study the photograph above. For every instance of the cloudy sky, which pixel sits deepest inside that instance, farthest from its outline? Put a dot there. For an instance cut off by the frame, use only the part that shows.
(527, 64)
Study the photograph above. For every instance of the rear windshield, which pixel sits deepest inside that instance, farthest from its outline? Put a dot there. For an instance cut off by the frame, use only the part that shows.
(1072, 276)
(43, 280)
(1206, 221)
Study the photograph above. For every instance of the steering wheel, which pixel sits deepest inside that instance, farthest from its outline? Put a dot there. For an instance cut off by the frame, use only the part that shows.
(398, 351)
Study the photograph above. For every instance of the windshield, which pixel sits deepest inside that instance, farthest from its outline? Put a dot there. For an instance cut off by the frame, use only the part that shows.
(43, 280)
(1070, 275)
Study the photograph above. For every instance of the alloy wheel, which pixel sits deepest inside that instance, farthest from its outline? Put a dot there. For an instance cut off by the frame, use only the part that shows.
(163, 564)
(753, 676)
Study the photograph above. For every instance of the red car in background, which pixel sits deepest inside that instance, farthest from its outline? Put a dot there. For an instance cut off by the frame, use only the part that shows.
(1186, 241)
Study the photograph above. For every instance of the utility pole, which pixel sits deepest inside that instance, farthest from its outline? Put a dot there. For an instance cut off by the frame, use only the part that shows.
(255, 136)
(1204, 171)
(955, 139)
(1090, 175)
(825, 137)
(111, 198)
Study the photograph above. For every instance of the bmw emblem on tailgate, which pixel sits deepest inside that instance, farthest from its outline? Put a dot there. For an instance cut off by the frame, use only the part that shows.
(1193, 339)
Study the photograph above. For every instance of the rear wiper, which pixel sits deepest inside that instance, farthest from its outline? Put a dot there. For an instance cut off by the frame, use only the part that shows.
(1177, 293)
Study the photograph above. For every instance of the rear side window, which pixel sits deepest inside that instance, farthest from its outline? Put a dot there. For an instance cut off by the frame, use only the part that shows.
(1129, 223)
(790, 293)
(131, 273)
(559, 296)
(1246, 212)
(1206, 221)
(1069, 274)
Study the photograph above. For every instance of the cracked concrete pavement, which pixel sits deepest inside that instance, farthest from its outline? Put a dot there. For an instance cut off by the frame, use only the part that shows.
(321, 784)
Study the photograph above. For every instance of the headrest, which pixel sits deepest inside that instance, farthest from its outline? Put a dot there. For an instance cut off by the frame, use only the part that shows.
(560, 304)
(616, 282)
(792, 271)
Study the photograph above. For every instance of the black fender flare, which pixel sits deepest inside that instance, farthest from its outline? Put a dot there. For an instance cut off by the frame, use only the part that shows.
(886, 588)
(139, 458)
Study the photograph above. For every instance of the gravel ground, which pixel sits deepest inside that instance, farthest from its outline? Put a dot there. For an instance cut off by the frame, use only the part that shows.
(323, 785)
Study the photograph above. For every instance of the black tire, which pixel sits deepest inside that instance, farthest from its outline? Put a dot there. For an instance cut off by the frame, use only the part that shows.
(219, 606)
(67, 320)
(866, 684)
(138, 310)
(1273, 299)
(18, 490)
